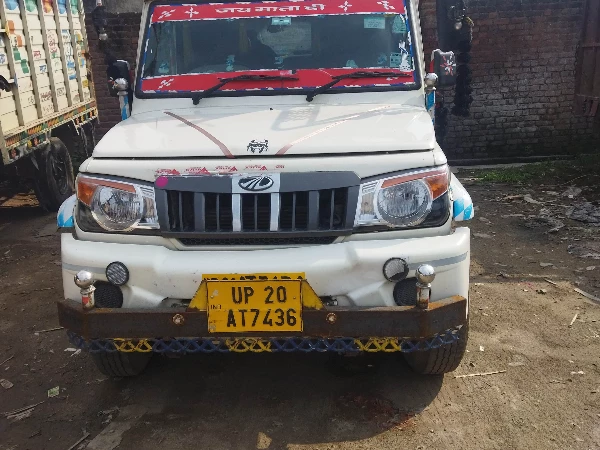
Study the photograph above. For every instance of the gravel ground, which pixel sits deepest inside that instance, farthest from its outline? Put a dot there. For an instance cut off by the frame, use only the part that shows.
(547, 398)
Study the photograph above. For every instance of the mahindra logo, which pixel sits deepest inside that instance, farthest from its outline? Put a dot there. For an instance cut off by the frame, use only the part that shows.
(258, 146)
(256, 183)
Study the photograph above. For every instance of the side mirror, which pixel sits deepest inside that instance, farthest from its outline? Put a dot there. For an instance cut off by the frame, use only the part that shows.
(118, 77)
(444, 66)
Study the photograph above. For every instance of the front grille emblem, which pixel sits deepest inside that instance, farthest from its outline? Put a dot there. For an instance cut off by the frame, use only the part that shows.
(256, 183)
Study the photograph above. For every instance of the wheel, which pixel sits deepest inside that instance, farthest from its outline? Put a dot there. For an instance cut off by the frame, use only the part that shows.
(119, 364)
(440, 360)
(55, 181)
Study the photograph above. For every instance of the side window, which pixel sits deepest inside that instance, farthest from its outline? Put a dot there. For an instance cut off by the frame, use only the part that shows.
(587, 71)
(160, 60)
(150, 62)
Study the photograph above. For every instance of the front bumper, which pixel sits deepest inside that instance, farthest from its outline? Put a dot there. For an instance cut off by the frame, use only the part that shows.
(349, 272)
(385, 329)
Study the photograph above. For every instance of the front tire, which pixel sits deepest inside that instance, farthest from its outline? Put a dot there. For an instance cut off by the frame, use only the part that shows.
(440, 360)
(55, 181)
(119, 364)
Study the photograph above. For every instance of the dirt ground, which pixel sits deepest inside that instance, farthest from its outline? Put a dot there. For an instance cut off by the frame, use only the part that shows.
(547, 342)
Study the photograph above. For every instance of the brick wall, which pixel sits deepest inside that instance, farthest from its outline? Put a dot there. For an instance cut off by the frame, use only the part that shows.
(523, 62)
(123, 31)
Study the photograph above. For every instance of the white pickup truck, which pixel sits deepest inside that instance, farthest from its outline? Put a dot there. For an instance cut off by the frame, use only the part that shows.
(278, 187)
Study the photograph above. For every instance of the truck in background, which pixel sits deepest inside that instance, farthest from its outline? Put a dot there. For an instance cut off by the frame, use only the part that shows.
(47, 106)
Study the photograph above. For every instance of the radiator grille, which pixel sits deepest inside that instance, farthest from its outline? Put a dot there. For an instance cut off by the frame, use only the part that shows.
(323, 210)
(219, 209)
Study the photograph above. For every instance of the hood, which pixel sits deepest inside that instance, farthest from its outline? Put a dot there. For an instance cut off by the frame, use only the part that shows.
(303, 130)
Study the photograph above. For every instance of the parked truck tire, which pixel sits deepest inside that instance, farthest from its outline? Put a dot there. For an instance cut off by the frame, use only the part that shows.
(119, 364)
(440, 360)
(55, 181)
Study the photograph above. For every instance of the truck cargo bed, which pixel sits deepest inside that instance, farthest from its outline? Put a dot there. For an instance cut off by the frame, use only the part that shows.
(42, 54)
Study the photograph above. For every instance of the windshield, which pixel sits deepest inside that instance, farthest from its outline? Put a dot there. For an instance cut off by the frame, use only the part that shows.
(190, 48)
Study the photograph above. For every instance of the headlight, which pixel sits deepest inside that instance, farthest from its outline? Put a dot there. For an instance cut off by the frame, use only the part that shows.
(107, 205)
(403, 201)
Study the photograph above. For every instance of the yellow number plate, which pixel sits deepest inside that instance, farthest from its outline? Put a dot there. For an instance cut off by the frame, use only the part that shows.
(247, 306)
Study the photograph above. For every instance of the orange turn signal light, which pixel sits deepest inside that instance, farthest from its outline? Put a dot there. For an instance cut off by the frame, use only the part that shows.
(437, 179)
(86, 187)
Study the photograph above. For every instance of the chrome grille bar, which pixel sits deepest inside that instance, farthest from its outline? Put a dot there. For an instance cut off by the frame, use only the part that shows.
(236, 211)
(199, 212)
(274, 212)
(320, 203)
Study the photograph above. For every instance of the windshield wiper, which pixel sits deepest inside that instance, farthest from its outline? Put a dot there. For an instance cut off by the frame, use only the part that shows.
(358, 74)
(196, 97)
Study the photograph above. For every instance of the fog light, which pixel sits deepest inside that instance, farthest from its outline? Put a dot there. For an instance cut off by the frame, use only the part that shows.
(395, 269)
(117, 273)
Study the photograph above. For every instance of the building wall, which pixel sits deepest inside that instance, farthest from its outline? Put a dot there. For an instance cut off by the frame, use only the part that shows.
(123, 31)
(523, 63)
